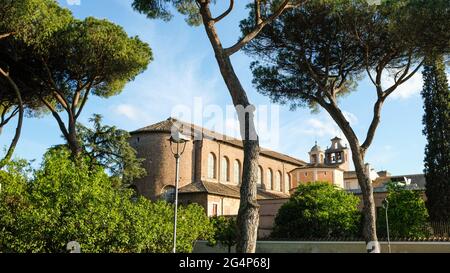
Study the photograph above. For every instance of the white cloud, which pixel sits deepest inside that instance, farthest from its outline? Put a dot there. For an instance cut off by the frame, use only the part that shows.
(410, 88)
(320, 127)
(73, 2)
(129, 111)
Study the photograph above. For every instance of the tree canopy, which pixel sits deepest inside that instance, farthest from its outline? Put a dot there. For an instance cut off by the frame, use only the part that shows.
(89, 57)
(317, 53)
(42, 210)
(26, 26)
(225, 232)
(407, 213)
(109, 147)
(318, 210)
(32, 21)
(161, 9)
(436, 120)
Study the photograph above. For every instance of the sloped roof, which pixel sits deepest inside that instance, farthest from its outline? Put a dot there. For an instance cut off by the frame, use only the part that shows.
(226, 190)
(198, 132)
(417, 180)
(319, 166)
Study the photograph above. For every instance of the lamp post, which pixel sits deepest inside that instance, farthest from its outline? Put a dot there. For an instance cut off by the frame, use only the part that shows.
(177, 145)
(386, 206)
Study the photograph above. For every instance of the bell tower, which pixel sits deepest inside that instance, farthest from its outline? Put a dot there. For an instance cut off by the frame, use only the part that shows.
(337, 154)
(316, 155)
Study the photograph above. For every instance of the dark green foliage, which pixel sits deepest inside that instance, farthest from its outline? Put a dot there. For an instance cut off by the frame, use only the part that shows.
(108, 147)
(317, 53)
(407, 214)
(88, 57)
(225, 232)
(161, 9)
(436, 95)
(96, 54)
(30, 26)
(318, 210)
(424, 23)
(32, 21)
(26, 27)
(64, 200)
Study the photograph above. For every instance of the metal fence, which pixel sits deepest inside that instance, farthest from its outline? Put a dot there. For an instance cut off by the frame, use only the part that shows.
(437, 232)
(441, 229)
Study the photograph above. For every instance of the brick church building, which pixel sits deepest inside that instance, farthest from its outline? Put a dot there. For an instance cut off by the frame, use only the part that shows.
(210, 168)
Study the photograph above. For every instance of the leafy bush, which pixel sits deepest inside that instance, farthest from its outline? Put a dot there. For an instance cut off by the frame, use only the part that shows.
(225, 232)
(318, 210)
(407, 213)
(69, 200)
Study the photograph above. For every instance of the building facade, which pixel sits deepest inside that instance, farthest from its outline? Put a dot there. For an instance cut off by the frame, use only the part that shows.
(210, 168)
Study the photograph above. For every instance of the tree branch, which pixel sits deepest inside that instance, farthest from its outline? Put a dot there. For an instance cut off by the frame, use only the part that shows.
(4, 120)
(83, 102)
(258, 19)
(252, 34)
(225, 14)
(55, 114)
(374, 124)
(391, 89)
(6, 35)
(16, 137)
(59, 97)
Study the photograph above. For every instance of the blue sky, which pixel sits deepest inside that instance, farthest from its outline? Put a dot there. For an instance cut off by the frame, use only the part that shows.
(184, 68)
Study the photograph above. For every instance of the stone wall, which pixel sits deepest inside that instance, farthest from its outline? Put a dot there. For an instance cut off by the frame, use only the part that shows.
(267, 213)
(226, 205)
(332, 247)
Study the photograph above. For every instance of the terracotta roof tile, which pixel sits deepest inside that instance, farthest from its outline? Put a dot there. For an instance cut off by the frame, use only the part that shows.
(199, 132)
(226, 190)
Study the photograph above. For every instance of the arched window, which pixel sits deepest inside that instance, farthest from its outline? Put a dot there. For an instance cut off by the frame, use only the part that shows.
(225, 169)
(260, 178)
(211, 166)
(237, 172)
(269, 179)
(277, 185)
(287, 182)
(168, 194)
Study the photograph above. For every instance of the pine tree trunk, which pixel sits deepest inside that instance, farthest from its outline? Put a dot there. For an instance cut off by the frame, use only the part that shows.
(248, 215)
(369, 213)
(358, 155)
(72, 138)
(16, 137)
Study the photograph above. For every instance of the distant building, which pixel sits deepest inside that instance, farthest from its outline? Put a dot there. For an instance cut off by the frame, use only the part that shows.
(326, 166)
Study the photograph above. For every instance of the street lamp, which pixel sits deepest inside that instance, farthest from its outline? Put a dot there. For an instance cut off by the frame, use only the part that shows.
(177, 145)
(386, 206)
